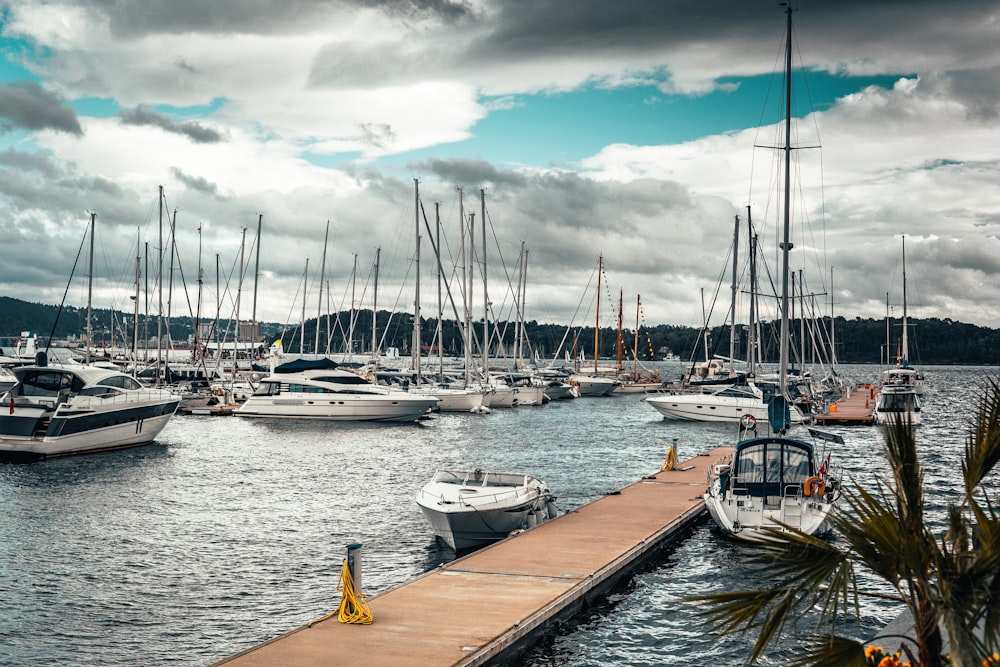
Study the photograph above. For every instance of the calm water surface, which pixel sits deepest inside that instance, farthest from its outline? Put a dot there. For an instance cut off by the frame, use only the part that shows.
(227, 532)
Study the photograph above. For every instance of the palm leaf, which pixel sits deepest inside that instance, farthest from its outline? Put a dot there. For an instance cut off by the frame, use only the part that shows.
(982, 448)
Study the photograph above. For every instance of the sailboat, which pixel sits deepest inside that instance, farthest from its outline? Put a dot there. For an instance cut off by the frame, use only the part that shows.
(728, 396)
(900, 386)
(597, 382)
(775, 482)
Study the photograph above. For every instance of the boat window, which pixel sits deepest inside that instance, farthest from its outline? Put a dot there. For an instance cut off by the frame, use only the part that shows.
(773, 463)
(750, 464)
(47, 383)
(737, 391)
(268, 389)
(121, 381)
(795, 466)
(102, 392)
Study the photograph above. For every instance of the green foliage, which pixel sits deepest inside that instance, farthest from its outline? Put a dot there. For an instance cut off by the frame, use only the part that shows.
(951, 581)
(934, 341)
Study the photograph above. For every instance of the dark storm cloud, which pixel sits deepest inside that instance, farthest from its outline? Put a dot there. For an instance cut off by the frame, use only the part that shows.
(136, 18)
(26, 105)
(469, 172)
(195, 183)
(42, 163)
(196, 132)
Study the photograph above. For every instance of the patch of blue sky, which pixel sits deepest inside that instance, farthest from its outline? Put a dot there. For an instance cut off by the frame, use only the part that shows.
(95, 107)
(11, 68)
(189, 112)
(561, 129)
(105, 107)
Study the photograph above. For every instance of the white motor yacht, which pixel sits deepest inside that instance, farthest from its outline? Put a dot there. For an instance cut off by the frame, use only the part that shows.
(726, 404)
(60, 410)
(322, 390)
(472, 508)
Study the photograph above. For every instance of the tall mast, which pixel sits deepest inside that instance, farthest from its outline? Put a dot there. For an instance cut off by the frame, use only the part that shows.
(239, 292)
(159, 292)
(256, 268)
(197, 312)
(322, 276)
(218, 312)
(597, 317)
(416, 297)
(466, 323)
(752, 333)
(786, 244)
(635, 344)
(833, 324)
(90, 287)
(732, 307)
(135, 318)
(486, 297)
(378, 253)
(618, 345)
(354, 312)
(905, 353)
(302, 327)
(440, 278)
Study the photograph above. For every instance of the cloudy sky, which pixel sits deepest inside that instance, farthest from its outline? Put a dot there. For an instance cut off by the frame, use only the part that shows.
(632, 130)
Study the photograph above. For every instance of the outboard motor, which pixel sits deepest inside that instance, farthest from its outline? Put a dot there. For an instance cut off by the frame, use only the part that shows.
(41, 359)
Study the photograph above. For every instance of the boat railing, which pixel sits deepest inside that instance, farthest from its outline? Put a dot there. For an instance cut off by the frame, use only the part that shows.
(113, 398)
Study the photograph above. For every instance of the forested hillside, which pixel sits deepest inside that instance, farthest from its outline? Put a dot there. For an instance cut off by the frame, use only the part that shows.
(931, 341)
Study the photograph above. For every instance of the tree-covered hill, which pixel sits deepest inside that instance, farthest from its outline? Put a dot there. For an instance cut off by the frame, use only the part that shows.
(931, 341)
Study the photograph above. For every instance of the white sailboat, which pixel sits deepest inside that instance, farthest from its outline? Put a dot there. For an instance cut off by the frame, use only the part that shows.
(900, 386)
(774, 482)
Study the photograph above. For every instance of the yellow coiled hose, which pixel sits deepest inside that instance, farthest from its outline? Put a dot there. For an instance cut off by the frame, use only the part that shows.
(353, 608)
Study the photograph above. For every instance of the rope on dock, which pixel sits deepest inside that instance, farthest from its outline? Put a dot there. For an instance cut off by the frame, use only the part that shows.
(353, 607)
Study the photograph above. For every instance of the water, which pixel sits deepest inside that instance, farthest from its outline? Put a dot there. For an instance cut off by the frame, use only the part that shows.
(227, 532)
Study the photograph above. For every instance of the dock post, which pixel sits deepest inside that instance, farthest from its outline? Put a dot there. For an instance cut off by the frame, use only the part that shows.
(354, 563)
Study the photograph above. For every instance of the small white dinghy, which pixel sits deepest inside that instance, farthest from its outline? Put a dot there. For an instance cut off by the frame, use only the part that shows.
(468, 509)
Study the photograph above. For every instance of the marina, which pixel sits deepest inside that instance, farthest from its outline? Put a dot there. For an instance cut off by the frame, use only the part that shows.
(509, 593)
(227, 533)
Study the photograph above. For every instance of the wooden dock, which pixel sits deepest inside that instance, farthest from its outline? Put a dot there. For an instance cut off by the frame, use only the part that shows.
(492, 605)
(855, 409)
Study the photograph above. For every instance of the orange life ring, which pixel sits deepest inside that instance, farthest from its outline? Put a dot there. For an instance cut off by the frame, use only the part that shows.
(814, 486)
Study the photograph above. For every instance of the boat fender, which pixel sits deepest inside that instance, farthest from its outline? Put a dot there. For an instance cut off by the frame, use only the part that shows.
(814, 486)
(532, 520)
(551, 509)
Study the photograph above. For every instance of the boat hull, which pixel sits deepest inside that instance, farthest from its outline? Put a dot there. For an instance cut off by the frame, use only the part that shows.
(83, 430)
(348, 407)
(712, 408)
(593, 386)
(470, 509)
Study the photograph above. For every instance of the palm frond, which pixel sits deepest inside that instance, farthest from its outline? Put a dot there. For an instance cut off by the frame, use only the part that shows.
(901, 453)
(982, 447)
(735, 611)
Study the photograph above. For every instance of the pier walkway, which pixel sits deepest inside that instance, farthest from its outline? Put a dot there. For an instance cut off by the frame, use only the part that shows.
(855, 409)
(491, 605)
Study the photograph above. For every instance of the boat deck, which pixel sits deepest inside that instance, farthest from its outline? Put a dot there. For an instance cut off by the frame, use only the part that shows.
(855, 409)
(493, 603)
(209, 410)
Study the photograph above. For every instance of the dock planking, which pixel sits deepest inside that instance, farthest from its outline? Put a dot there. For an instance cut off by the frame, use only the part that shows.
(491, 605)
(855, 409)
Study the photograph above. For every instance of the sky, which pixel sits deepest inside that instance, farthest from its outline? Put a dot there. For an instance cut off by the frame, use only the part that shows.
(629, 133)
